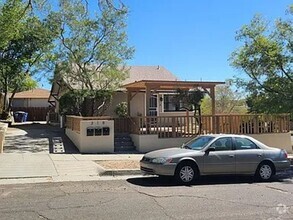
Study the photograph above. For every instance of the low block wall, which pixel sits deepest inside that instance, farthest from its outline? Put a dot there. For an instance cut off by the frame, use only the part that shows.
(147, 143)
(278, 140)
(94, 143)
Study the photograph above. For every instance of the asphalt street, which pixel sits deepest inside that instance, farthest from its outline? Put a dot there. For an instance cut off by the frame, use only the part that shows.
(150, 198)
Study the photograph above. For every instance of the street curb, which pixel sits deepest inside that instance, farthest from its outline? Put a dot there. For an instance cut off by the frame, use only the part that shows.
(24, 177)
(120, 172)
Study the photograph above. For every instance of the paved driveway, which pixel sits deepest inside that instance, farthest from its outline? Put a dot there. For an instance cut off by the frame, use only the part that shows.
(34, 138)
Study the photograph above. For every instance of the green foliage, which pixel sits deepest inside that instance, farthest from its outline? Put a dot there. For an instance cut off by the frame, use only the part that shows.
(206, 105)
(22, 45)
(189, 99)
(84, 102)
(266, 57)
(121, 109)
(93, 46)
(71, 102)
(228, 100)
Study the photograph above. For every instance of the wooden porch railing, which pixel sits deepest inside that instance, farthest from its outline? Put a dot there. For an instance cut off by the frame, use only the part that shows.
(121, 125)
(183, 126)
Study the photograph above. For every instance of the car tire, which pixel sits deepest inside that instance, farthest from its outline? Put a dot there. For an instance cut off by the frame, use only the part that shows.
(186, 173)
(265, 171)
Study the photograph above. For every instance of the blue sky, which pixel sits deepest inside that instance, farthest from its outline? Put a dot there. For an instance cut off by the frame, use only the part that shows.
(192, 38)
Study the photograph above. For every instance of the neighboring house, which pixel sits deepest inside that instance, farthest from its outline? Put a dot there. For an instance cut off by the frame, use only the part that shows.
(31, 98)
(34, 102)
(149, 90)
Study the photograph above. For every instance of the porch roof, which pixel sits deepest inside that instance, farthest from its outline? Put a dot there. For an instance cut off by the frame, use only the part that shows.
(169, 85)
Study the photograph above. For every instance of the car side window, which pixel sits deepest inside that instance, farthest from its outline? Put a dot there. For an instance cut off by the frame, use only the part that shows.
(244, 144)
(222, 144)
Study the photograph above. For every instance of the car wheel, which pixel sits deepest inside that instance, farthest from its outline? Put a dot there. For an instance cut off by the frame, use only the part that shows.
(186, 173)
(265, 171)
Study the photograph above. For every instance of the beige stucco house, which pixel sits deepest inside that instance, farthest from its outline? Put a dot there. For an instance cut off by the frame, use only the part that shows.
(148, 90)
(156, 122)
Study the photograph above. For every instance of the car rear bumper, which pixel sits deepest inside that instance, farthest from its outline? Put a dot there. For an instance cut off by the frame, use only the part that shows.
(282, 165)
(157, 169)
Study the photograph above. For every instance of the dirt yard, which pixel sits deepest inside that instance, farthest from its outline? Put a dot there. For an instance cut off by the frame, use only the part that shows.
(119, 164)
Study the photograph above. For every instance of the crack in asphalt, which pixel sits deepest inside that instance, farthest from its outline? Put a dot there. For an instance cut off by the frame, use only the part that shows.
(163, 209)
(201, 197)
(42, 216)
(277, 189)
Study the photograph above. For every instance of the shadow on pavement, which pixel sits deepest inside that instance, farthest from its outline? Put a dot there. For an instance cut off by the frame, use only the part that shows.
(154, 181)
(35, 138)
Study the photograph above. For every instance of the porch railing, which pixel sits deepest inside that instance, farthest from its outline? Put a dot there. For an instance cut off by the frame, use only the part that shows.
(188, 126)
(121, 125)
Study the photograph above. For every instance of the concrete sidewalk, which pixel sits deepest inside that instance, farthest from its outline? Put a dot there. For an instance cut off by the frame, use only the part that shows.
(30, 167)
(15, 167)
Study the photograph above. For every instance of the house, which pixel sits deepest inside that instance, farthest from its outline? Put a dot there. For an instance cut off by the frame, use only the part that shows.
(34, 102)
(148, 90)
(31, 98)
(155, 121)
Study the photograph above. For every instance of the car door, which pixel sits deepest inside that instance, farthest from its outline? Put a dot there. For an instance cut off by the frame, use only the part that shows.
(248, 155)
(222, 159)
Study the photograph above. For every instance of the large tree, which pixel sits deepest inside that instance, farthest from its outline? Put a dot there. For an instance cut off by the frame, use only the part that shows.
(267, 57)
(23, 46)
(92, 52)
(228, 100)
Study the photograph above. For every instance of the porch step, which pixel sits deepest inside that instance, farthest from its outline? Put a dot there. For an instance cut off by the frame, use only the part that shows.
(123, 142)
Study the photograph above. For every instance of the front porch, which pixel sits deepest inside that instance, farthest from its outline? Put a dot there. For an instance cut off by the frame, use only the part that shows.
(156, 132)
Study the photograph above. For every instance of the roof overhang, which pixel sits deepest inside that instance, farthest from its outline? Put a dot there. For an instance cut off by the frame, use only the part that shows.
(169, 85)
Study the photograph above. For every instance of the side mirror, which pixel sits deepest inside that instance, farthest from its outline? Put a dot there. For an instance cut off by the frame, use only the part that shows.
(210, 149)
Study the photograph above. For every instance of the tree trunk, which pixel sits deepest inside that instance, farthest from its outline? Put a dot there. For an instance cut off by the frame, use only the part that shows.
(10, 101)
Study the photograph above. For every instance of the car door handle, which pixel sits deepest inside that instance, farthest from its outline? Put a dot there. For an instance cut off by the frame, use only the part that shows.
(231, 156)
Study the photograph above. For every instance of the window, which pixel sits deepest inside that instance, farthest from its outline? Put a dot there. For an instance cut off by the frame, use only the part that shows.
(170, 105)
(244, 144)
(198, 143)
(222, 144)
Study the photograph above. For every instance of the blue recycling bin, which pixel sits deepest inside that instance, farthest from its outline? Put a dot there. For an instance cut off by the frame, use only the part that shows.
(20, 116)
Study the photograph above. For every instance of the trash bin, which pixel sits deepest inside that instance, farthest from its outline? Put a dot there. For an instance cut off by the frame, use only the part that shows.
(25, 117)
(20, 116)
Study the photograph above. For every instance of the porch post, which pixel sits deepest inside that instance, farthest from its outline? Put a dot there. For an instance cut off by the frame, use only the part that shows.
(214, 122)
(147, 108)
(147, 101)
(212, 93)
(128, 102)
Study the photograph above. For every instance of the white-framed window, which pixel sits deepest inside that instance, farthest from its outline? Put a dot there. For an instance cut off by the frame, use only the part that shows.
(170, 105)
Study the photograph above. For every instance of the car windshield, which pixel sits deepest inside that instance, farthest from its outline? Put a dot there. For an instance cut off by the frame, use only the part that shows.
(198, 143)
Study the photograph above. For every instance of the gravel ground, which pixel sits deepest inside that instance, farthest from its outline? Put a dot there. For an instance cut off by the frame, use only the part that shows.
(119, 164)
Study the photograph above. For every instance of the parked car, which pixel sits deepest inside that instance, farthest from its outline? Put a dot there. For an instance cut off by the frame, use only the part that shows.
(216, 154)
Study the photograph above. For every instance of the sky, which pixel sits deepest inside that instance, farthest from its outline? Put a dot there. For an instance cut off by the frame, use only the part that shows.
(192, 38)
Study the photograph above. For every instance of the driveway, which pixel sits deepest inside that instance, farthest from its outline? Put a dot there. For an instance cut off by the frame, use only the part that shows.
(35, 138)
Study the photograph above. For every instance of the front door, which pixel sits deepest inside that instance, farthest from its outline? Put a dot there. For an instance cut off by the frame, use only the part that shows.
(153, 105)
(222, 160)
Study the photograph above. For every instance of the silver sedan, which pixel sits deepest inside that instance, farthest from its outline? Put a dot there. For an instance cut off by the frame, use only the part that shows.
(216, 154)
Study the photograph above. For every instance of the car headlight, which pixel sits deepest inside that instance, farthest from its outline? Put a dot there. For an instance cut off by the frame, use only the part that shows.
(161, 160)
